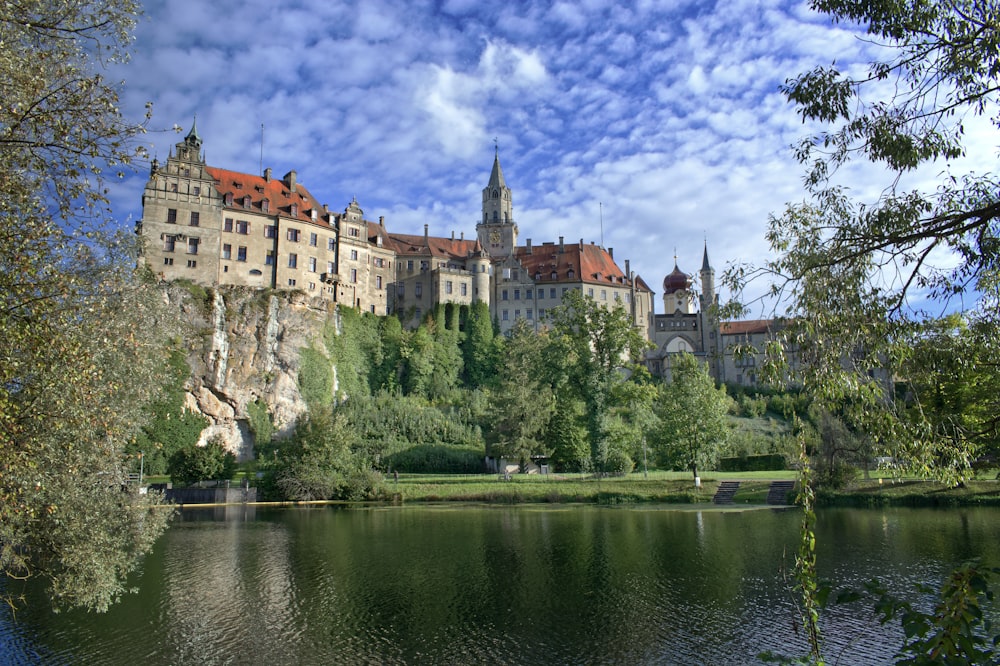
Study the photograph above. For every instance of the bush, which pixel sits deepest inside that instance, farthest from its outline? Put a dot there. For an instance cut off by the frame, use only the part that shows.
(437, 459)
(618, 463)
(771, 461)
(194, 463)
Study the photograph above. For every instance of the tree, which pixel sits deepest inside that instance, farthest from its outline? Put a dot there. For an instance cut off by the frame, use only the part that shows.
(599, 346)
(522, 402)
(75, 372)
(864, 276)
(194, 463)
(478, 347)
(692, 415)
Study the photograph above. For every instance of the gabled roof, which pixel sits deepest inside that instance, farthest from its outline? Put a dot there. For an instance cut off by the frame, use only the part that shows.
(590, 264)
(279, 196)
(414, 245)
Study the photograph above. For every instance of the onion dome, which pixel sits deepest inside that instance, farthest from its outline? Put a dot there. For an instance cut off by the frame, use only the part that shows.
(678, 280)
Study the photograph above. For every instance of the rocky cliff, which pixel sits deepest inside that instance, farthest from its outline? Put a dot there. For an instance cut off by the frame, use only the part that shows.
(243, 346)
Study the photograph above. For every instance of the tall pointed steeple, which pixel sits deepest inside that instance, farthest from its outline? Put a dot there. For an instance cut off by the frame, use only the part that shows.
(192, 139)
(497, 230)
(707, 275)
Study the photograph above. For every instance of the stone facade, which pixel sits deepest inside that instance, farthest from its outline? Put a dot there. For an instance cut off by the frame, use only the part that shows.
(219, 227)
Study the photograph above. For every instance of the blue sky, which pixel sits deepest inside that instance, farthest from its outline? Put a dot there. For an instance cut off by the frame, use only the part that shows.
(661, 117)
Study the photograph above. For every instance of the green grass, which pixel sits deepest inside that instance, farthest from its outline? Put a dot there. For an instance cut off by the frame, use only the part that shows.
(666, 487)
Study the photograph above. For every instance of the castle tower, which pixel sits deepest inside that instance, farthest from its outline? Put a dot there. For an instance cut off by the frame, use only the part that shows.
(710, 331)
(497, 231)
(677, 295)
(479, 264)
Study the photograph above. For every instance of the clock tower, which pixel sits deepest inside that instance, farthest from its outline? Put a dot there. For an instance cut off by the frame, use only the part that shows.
(496, 230)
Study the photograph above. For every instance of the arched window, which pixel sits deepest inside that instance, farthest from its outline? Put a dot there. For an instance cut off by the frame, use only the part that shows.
(496, 195)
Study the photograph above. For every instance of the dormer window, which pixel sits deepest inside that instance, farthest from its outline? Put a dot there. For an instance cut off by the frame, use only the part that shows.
(295, 210)
(265, 205)
(229, 198)
(570, 274)
(246, 201)
(555, 275)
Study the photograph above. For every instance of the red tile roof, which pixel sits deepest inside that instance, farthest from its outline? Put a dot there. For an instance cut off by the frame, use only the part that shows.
(409, 244)
(280, 198)
(590, 264)
(746, 327)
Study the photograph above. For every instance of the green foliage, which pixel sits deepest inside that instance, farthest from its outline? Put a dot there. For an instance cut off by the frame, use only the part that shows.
(594, 344)
(692, 416)
(477, 347)
(259, 421)
(566, 436)
(193, 463)
(315, 377)
(772, 461)
(522, 401)
(619, 463)
(320, 462)
(169, 427)
(357, 352)
(436, 459)
(74, 373)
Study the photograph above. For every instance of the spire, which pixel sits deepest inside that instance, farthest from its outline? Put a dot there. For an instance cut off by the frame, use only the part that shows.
(496, 176)
(192, 138)
(705, 266)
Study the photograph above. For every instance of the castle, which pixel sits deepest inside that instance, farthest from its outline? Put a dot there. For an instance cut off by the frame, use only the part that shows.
(214, 227)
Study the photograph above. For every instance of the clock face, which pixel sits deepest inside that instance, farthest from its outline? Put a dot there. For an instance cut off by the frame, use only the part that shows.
(494, 236)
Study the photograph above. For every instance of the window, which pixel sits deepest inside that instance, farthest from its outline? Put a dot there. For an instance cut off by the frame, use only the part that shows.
(505, 317)
(229, 198)
(513, 274)
(195, 218)
(353, 231)
(379, 262)
(192, 246)
(590, 292)
(552, 292)
(409, 265)
(241, 253)
(503, 295)
(423, 265)
(312, 264)
(329, 267)
(527, 294)
(401, 290)
(291, 282)
(168, 243)
(464, 289)
(293, 235)
(227, 251)
(331, 244)
(517, 314)
(294, 210)
(196, 191)
(192, 263)
(517, 294)
(270, 231)
(312, 286)
(228, 225)
(313, 239)
(354, 255)
(293, 260)
(447, 287)
(418, 289)
(269, 258)
(173, 187)
(378, 281)
(171, 216)
(604, 294)
(529, 313)
(265, 206)
(618, 296)
(168, 261)
(354, 275)
(541, 312)
(242, 227)
(246, 201)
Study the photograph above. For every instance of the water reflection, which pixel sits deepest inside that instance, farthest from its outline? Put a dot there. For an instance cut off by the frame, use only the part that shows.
(528, 585)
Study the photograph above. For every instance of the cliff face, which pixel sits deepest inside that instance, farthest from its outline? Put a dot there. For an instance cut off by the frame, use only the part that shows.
(243, 346)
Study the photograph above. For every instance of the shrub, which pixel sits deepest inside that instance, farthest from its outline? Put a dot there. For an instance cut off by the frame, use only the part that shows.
(618, 463)
(195, 463)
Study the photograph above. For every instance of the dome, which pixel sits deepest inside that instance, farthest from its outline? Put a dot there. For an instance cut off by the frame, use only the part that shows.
(678, 280)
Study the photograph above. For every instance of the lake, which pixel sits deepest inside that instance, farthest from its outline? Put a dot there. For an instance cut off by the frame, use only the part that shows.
(552, 584)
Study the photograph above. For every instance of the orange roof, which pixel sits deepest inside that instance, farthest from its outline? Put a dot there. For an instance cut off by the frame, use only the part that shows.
(577, 263)
(433, 245)
(280, 198)
(746, 327)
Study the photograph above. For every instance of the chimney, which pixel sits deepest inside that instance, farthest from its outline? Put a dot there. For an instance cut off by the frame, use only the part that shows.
(289, 179)
(562, 248)
(461, 235)
(426, 241)
(611, 253)
(326, 209)
(267, 175)
(628, 275)
(581, 244)
(528, 247)
(453, 234)
(381, 220)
